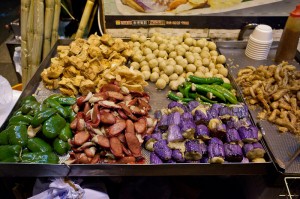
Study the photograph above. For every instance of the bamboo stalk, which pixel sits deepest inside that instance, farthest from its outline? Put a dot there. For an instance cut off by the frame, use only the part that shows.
(57, 9)
(49, 4)
(25, 6)
(92, 18)
(38, 35)
(29, 41)
(85, 18)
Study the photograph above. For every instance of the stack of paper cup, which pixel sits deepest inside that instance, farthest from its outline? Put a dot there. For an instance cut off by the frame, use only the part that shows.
(259, 42)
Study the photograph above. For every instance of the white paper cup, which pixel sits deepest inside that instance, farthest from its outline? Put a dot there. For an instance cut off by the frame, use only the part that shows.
(262, 33)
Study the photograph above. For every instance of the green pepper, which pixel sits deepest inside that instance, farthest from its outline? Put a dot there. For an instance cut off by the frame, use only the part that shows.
(226, 93)
(53, 126)
(206, 89)
(12, 159)
(201, 98)
(27, 99)
(60, 109)
(228, 86)
(72, 114)
(66, 133)
(4, 137)
(61, 147)
(17, 135)
(66, 100)
(30, 108)
(186, 90)
(175, 97)
(40, 157)
(18, 112)
(42, 116)
(54, 96)
(8, 152)
(201, 80)
(24, 118)
(38, 145)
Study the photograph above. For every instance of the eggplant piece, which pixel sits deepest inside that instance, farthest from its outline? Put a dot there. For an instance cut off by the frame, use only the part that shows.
(192, 105)
(215, 140)
(177, 106)
(253, 150)
(225, 111)
(188, 128)
(204, 159)
(177, 145)
(245, 160)
(149, 144)
(239, 110)
(200, 117)
(174, 134)
(163, 123)
(233, 152)
(232, 122)
(174, 118)
(156, 136)
(248, 135)
(214, 110)
(216, 152)
(154, 159)
(187, 116)
(202, 132)
(244, 122)
(193, 150)
(217, 128)
(232, 135)
(177, 155)
(158, 114)
(162, 150)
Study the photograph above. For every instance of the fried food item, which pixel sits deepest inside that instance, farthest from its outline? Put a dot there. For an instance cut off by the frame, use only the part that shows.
(85, 65)
(276, 90)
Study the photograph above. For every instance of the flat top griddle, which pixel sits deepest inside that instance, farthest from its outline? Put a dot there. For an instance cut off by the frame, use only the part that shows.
(282, 146)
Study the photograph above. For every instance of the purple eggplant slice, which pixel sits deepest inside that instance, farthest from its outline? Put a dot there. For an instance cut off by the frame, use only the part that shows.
(174, 134)
(174, 118)
(253, 150)
(176, 106)
(248, 135)
(162, 150)
(154, 159)
(193, 150)
(232, 136)
(188, 129)
(216, 153)
(149, 144)
(217, 128)
(202, 132)
(215, 140)
(225, 111)
(156, 136)
(187, 116)
(163, 123)
(233, 152)
(200, 117)
(177, 156)
(192, 105)
(239, 110)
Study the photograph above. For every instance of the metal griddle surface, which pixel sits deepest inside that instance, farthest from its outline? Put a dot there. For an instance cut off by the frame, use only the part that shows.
(158, 101)
(281, 145)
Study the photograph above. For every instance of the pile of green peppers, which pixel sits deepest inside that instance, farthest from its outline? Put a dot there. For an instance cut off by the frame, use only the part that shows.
(38, 132)
(208, 90)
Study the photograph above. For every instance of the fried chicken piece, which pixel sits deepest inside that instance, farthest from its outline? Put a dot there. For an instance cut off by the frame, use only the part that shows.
(49, 83)
(94, 52)
(75, 61)
(77, 80)
(94, 40)
(67, 87)
(107, 39)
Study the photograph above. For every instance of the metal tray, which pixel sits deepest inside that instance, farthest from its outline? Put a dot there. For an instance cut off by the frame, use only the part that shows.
(158, 101)
(282, 146)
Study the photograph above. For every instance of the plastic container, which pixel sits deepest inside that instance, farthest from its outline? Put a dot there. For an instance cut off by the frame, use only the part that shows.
(287, 47)
(259, 42)
(6, 93)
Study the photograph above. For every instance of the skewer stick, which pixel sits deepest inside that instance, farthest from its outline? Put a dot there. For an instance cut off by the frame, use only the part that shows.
(49, 12)
(57, 9)
(25, 6)
(85, 18)
(38, 35)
